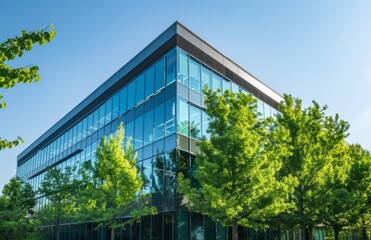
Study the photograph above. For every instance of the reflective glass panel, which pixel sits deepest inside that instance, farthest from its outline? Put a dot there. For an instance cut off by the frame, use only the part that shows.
(182, 124)
(139, 89)
(148, 127)
(195, 122)
(170, 66)
(138, 140)
(159, 75)
(123, 100)
(159, 121)
(150, 82)
(131, 95)
(182, 67)
(217, 82)
(194, 75)
(205, 77)
(170, 116)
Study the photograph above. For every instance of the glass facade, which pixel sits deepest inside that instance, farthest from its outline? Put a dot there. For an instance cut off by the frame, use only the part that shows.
(163, 113)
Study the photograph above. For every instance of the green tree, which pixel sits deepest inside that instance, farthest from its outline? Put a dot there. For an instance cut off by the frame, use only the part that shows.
(16, 204)
(59, 188)
(112, 186)
(237, 168)
(9, 77)
(314, 138)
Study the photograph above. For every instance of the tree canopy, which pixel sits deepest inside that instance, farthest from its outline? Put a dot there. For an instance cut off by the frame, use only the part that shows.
(237, 167)
(16, 208)
(9, 76)
(111, 185)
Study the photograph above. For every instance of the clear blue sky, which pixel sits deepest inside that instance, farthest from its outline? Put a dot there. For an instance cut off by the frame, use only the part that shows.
(312, 49)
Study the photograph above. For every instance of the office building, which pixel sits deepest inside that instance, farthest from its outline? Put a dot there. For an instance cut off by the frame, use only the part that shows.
(158, 96)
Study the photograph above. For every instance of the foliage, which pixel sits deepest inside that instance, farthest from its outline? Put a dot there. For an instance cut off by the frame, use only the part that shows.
(111, 187)
(237, 168)
(9, 77)
(16, 204)
(59, 187)
(314, 140)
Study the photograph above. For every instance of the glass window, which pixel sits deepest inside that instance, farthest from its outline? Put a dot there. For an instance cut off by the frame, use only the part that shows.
(138, 140)
(148, 127)
(123, 100)
(84, 127)
(243, 91)
(182, 124)
(235, 88)
(195, 122)
(159, 75)
(102, 115)
(267, 110)
(205, 78)
(159, 121)
(140, 88)
(131, 95)
(170, 66)
(95, 120)
(115, 106)
(205, 125)
(147, 175)
(158, 180)
(182, 67)
(108, 117)
(150, 81)
(217, 82)
(261, 108)
(170, 116)
(194, 75)
(129, 131)
(226, 85)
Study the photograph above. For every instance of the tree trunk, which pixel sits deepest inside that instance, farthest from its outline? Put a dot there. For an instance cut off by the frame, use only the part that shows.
(234, 229)
(57, 232)
(336, 232)
(112, 234)
(303, 230)
(364, 234)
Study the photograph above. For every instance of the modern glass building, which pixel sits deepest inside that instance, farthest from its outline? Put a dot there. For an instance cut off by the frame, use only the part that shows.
(158, 96)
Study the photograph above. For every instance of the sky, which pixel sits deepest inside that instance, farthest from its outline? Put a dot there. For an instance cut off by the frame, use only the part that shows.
(314, 50)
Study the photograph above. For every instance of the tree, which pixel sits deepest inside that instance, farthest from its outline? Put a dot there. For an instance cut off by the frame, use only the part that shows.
(112, 186)
(16, 204)
(236, 170)
(313, 140)
(9, 77)
(59, 188)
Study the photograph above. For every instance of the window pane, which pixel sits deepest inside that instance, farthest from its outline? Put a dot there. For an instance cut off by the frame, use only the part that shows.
(194, 75)
(195, 122)
(131, 95)
(139, 89)
(217, 82)
(182, 124)
(148, 127)
(158, 180)
(150, 82)
(96, 120)
(205, 77)
(108, 111)
(159, 75)
(182, 67)
(226, 85)
(261, 108)
(267, 110)
(138, 141)
(102, 115)
(129, 131)
(123, 100)
(115, 106)
(170, 116)
(235, 88)
(205, 125)
(147, 175)
(159, 121)
(170, 66)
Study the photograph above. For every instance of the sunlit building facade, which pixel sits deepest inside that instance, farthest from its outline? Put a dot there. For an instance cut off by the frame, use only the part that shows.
(158, 97)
